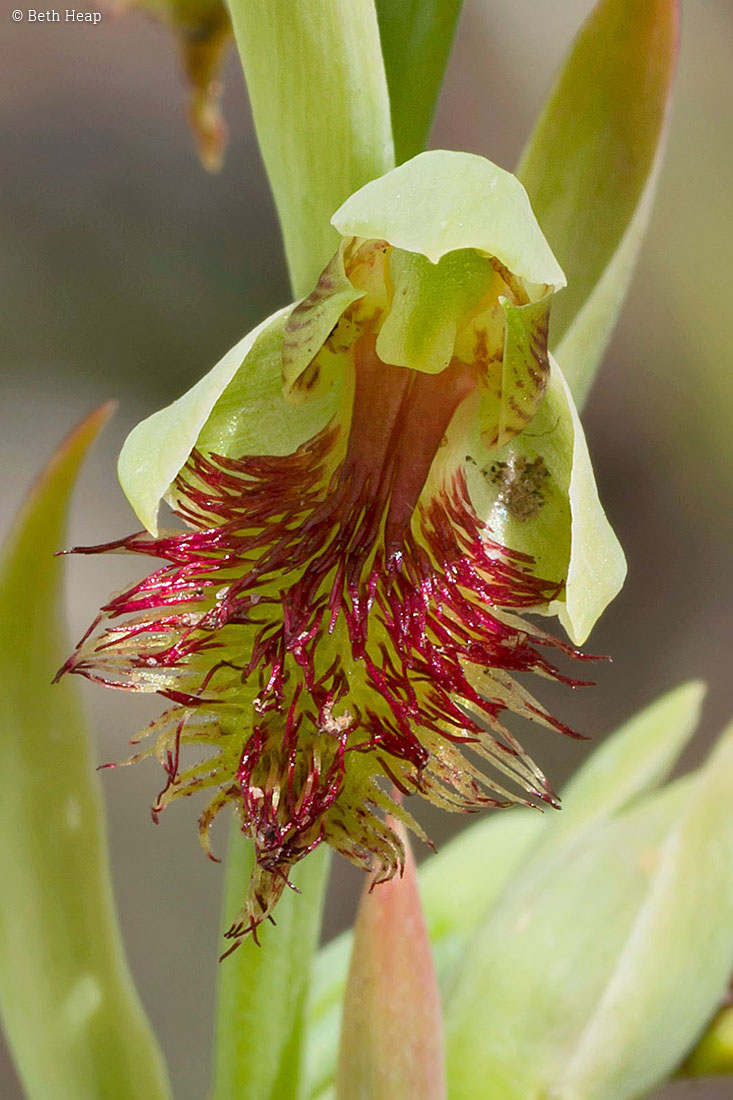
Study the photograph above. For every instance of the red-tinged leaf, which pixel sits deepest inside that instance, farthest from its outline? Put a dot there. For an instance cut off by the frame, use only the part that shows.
(590, 168)
(392, 1032)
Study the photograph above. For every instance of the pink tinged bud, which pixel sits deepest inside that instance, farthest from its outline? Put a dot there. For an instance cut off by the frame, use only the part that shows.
(392, 1032)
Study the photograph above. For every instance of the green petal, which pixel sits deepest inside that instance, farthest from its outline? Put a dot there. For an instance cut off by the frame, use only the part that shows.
(442, 201)
(70, 1010)
(591, 167)
(237, 408)
(538, 495)
(597, 567)
(311, 321)
(429, 301)
(525, 366)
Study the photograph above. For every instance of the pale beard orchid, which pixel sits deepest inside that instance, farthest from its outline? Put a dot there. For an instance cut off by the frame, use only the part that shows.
(377, 486)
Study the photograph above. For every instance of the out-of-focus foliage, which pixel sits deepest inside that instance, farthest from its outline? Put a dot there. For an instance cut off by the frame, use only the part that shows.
(476, 874)
(69, 1007)
(391, 1041)
(263, 986)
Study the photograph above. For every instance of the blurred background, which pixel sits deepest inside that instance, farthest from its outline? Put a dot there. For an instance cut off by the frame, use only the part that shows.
(128, 271)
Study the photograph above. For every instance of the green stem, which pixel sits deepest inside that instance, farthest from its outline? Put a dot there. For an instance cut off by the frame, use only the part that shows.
(263, 989)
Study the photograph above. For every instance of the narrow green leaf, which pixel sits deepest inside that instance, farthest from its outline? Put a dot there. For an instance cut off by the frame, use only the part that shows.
(541, 961)
(596, 972)
(475, 865)
(416, 41)
(677, 960)
(591, 164)
(461, 883)
(263, 989)
(71, 1013)
(319, 97)
(392, 1031)
(631, 761)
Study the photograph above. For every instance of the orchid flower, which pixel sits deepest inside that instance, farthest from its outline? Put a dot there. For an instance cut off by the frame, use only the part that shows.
(377, 485)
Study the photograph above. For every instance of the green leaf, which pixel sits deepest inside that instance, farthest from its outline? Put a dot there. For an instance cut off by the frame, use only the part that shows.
(590, 168)
(237, 408)
(319, 97)
(460, 884)
(392, 1032)
(416, 41)
(443, 201)
(263, 989)
(677, 960)
(70, 1009)
(631, 761)
(547, 1006)
(539, 964)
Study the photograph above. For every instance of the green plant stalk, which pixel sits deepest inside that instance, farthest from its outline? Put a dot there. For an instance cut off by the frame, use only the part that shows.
(318, 92)
(263, 989)
(71, 1013)
(319, 98)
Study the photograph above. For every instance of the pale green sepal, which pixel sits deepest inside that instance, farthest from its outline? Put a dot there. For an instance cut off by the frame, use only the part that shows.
(592, 163)
(312, 319)
(525, 366)
(158, 447)
(584, 344)
(236, 409)
(71, 1013)
(429, 302)
(677, 960)
(441, 201)
(597, 567)
(320, 103)
(263, 991)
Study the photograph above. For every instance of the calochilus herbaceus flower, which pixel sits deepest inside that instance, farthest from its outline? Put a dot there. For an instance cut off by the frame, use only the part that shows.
(377, 485)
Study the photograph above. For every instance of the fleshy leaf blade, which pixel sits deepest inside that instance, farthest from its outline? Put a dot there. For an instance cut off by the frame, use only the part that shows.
(320, 103)
(416, 38)
(70, 1009)
(591, 163)
(628, 763)
(534, 971)
(677, 961)
(392, 1030)
(263, 989)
